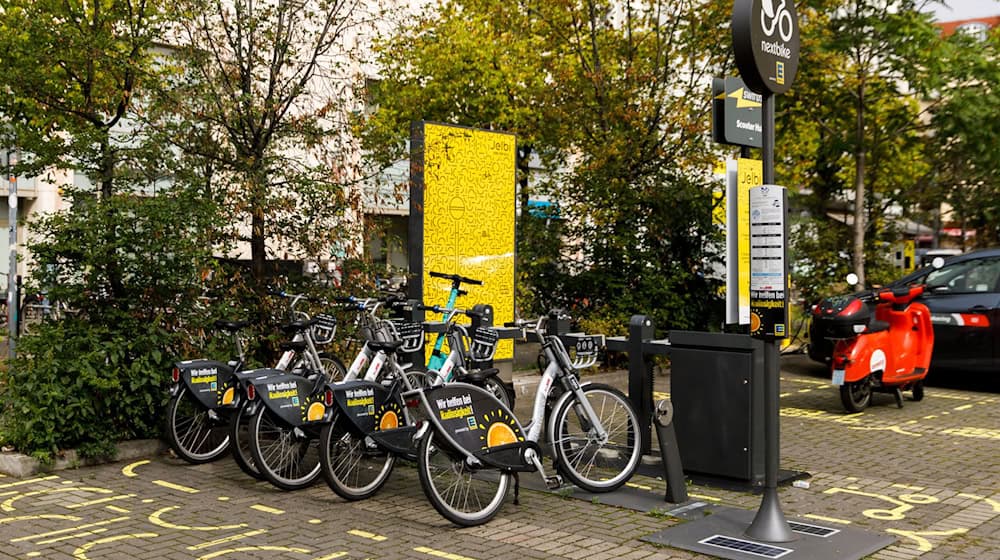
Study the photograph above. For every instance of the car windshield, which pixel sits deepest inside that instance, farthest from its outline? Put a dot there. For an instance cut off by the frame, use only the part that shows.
(977, 275)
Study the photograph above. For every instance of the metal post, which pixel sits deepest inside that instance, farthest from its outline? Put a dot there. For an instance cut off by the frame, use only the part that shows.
(640, 377)
(770, 524)
(12, 299)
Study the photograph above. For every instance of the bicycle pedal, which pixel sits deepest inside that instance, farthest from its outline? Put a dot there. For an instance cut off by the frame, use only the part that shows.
(553, 482)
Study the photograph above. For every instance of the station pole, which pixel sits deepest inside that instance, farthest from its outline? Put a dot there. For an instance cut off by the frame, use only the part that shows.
(11, 157)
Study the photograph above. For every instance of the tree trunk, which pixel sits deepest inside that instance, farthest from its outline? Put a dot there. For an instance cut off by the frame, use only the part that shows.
(858, 257)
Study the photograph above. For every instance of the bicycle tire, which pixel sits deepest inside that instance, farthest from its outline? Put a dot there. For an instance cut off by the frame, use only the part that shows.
(239, 438)
(285, 459)
(350, 467)
(499, 389)
(333, 368)
(593, 465)
(192, 433)
(435, 467)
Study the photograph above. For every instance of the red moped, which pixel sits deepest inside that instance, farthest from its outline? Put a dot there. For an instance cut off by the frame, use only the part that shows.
(888, 350)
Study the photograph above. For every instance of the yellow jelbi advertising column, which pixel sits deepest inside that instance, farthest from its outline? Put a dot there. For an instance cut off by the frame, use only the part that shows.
(462, 212)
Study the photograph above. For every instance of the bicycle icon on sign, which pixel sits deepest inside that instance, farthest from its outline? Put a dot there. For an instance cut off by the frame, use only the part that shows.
(780, 19)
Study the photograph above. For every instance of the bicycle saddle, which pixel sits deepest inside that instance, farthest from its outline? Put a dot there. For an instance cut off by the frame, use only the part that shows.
(478, 375)
(298, 326)
(388, 346)
(231, 326)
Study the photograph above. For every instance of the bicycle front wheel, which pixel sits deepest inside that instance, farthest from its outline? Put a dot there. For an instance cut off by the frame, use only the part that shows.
(193, 431)
(333, 368)
(353, 467)
(239, 435)
(285, 456)
(592, 461)
(463, 495)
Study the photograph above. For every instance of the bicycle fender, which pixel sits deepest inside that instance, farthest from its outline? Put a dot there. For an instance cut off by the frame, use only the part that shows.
(550, 428)
(291, 397)
(210, 381)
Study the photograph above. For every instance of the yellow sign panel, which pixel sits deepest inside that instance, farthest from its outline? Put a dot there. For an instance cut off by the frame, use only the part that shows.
(468, 218)
(750, 173)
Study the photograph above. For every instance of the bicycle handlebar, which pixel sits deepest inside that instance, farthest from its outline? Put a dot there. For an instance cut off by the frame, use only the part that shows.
(456, 278)
(451, 312)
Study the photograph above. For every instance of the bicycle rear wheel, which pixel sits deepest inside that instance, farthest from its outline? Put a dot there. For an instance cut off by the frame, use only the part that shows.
(239, 436)
(353, 468)
(499, 389)
(332, 367)
(194, 432)
(285, 456)
(463, 495)
(582, 456)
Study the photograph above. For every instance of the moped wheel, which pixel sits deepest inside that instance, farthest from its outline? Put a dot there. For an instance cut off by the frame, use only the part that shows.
(239, 435)
(856, 395)
(918, 391)
(499, 389)
(463, 495)
(285, 456)
(194, 432)
(353, 467)
(592, 462)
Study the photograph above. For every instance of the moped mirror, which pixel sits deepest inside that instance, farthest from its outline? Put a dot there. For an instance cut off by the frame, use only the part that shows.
(938, 262)
(852, 279)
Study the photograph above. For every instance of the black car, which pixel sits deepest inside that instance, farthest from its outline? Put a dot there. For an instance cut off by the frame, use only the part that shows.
(964, 299)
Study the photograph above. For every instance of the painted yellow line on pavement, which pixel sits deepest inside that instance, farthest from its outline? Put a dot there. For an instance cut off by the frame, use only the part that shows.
(129, 470)
(156, 519)
(266, 509)
(981, 433)
(924, 545)
(993, 503)
(908, 487)
(100, 501)
(953, 397)
(639, 486)
(963, 407)
(81, 552)
(661, 395)
(116, 509)
(440, 554)
(783, 395)
(8, 505)
(227, 539)
(236, 551)
(366, 535)
(178, 487)
(807, 381)
(804, 391)
(332, 556)
(704, 497)
(71, 529)
(29, 481)
(827, 519)
(73, 536)
(42, 516)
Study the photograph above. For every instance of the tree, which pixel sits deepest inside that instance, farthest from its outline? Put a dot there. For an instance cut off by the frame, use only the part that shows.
(259, 100)
(612, 96)
(853, 125)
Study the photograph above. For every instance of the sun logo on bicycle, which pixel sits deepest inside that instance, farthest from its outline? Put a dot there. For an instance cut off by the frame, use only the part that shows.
(389, 417)
(501, 429)
(313, 409)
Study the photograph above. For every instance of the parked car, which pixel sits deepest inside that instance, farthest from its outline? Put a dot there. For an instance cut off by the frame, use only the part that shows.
(964, 299)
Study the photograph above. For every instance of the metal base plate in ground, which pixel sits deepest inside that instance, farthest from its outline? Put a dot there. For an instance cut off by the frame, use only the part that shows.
(721, 535)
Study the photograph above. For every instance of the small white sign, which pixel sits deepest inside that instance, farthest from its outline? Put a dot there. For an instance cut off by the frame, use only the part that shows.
(767, 240)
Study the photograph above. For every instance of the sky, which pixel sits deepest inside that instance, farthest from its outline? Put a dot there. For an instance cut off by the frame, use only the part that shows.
(965, 9)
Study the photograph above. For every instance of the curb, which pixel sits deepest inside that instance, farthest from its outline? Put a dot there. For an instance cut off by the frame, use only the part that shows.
(20, 465)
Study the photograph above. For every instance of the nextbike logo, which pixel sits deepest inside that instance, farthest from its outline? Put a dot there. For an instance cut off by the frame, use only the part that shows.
(779, 19)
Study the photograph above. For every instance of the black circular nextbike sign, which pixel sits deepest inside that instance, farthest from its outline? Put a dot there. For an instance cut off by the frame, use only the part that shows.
(766, 43)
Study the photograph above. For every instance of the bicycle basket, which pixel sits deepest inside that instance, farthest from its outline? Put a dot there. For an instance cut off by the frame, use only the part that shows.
(412, 334)
(483, 344)
(324, 329)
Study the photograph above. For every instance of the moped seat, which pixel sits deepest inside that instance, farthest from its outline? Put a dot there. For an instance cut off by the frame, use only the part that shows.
(876, 326)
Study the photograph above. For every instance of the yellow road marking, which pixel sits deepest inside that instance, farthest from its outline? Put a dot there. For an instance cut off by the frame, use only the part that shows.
(366, 535)
(332, 556)
(963, 407)
(129, 470)
(29, 481)
(783, 395)
(71, 529)
(828, 519)
(266, 509)
(704, 497)
(807, 381)
(924, 545)
(116, 509)
(9, 504)
(173, 486)
(981, 433)
(804, 391)
(639, 486)
(315, 521)
(908, 487)
(155, 519)
(993, 503)
(903, 504)
(73, 536)
(100, 501)
(661, 395)
(895, 429)
(953, 397)
(441, 554)
(81, 552)
(42, 516)
(227, 539)
(218, 553)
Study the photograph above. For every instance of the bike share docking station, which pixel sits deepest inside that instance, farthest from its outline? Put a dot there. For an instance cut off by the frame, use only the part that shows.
(766, 48)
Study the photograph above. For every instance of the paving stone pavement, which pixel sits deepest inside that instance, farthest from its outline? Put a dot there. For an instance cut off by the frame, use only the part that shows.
(927, 474)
